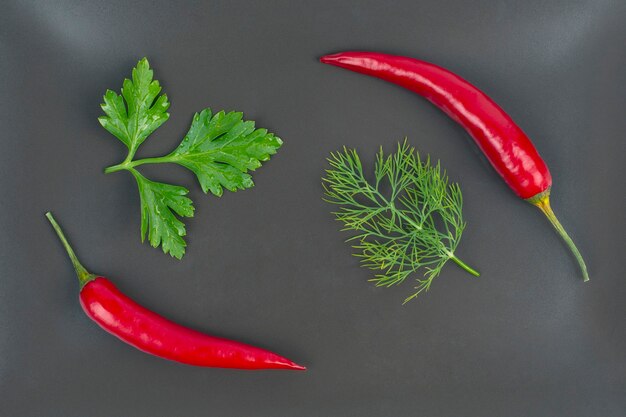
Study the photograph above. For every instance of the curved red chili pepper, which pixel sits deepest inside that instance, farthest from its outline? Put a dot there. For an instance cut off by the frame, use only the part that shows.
(149, 332)
(506, 146)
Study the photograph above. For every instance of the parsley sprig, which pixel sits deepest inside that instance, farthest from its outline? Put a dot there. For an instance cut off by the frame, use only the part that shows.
(409, 217)
(220, 149)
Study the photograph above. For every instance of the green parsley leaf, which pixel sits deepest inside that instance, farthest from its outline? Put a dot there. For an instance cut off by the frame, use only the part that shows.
(221, 148)
(134, 115)
(159, 202)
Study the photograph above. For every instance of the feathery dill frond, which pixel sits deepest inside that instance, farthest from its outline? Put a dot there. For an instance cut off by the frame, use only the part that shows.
(408, 217)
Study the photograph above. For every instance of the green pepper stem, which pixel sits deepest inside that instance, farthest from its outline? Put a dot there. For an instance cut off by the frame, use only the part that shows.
(465, 266)
(543, 204)
(84, 276)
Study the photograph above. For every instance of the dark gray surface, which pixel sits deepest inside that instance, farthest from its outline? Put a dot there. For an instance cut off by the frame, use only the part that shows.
(268, 265)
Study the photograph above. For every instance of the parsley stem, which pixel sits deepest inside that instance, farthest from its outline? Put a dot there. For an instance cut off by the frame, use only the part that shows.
(156, 160)
(128, 165)
(115, 168)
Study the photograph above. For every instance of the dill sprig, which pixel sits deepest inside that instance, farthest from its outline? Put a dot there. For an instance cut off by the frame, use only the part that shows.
(409, 217)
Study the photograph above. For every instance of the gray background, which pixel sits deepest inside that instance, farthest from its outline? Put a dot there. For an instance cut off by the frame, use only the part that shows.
(268, 266)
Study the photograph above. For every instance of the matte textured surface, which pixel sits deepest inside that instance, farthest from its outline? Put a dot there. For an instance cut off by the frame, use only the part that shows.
(268, 266)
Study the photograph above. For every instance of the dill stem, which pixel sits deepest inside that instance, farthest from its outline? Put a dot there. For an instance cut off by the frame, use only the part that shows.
(451, 255)
(393, 208)
(465, 266)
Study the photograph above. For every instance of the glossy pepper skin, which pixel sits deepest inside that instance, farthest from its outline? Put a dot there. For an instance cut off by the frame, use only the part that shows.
(151, 333)
(506, 146)
(503, 142)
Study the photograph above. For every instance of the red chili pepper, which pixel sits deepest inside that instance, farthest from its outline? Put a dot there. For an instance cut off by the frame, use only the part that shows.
(147, 331)
(507, 147)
